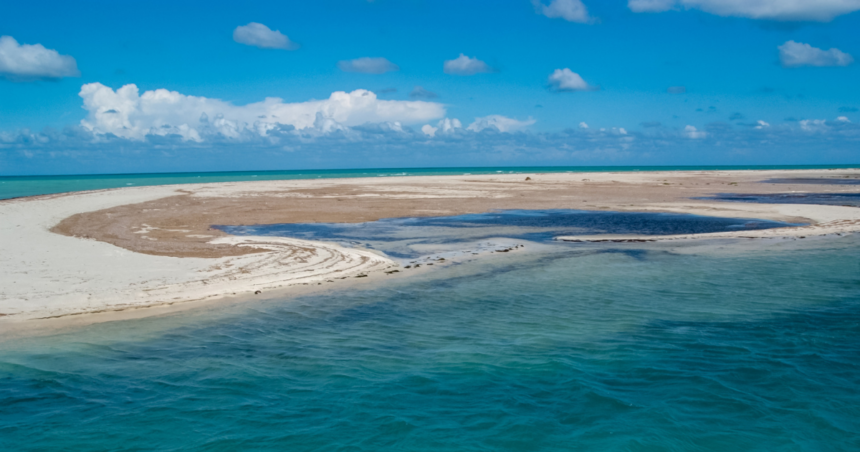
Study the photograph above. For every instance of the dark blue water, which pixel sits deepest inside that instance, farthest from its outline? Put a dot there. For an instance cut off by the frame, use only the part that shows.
(639, 348)
(396, 235)
(22, 185)
(831, 199)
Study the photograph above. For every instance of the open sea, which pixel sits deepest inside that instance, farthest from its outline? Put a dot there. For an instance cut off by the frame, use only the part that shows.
(698, 346)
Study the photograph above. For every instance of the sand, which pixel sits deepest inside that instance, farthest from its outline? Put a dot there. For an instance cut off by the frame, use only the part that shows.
(118, 249)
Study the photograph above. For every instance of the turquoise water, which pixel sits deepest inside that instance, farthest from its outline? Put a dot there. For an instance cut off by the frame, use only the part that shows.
(640, 347)
(17, 186)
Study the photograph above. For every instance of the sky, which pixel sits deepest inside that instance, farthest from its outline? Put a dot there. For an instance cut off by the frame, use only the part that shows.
(106, 87)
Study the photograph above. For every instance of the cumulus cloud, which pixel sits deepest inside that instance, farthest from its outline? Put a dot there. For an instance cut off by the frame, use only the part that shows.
(843, 119)
(797, 54)
(567, 80)
(693, 133)
(500, 123)
(25, 62)
(128, 114)
(368, 65)
(464, 65)
(784, 10)
(429, 130)
(258, 35)
(444, 126)
(453, 126)
(761, 124)
(583, 125)
(420, 93)
(569, 10)
(813, 125)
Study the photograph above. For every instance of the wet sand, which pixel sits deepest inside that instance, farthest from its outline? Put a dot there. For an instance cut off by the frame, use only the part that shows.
(119, 249)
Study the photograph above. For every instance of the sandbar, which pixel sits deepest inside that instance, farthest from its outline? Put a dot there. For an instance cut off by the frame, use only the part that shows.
(129, 248)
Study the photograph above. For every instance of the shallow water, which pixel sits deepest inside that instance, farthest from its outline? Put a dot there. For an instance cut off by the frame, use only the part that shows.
(634, 347)
(831, 199)
(412, 237)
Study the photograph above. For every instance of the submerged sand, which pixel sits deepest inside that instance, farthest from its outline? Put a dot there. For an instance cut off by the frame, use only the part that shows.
(136, 247)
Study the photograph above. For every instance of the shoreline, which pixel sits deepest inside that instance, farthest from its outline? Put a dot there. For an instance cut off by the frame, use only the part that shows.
(84, 253)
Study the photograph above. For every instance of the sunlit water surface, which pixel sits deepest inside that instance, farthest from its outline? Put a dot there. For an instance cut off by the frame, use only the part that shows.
(639, 347)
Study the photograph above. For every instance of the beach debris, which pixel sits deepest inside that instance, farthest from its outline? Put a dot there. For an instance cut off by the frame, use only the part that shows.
(392, 271)
(257, 292)
(361, 276)
(528, 178)
(408, 266)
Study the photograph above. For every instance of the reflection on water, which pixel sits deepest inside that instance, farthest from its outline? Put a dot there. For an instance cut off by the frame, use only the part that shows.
(638, 347)
(410, 237)
(831, 199)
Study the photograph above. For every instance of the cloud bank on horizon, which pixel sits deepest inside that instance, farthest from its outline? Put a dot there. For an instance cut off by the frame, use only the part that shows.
(128, 114)
(582, 80)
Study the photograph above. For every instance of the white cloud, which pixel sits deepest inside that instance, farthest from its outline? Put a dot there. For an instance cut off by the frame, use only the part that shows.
(762, 124)
(33, 61)
(448, 124)
(368, 65)
(464, 65)
(567, 80)
(814, 125)
(583, 125)
(796, 54)
(258, 35)
(444, 126)
(500, 123)
(128, 114)
(692, 132)
(843, 119)
(792, 10)
(569, 10)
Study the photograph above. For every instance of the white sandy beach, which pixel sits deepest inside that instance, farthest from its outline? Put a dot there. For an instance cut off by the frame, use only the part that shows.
(49, 275)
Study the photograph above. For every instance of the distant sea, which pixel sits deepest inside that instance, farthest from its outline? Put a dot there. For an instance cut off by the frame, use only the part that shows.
(18, 186)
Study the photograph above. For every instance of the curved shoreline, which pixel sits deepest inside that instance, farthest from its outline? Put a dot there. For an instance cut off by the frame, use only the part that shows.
(124, 248)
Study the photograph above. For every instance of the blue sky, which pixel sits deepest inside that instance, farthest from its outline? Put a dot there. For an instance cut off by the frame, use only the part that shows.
(726, 58)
